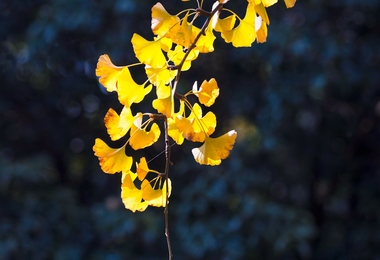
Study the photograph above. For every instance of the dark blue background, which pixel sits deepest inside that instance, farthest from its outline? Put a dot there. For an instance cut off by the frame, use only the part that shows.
(301, 183)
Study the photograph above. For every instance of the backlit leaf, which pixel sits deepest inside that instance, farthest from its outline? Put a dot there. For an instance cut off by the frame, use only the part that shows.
(107, 72)
(148, 52)
(162, 21)
(129, 91)
(132, 196)
(207, 92)
(140, 138)
(215, 149)
(245, 33)
(112, 160)
(117, 126)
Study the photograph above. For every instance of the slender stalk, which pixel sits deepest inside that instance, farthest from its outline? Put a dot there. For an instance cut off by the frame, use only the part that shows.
(167, 146)
(166, 211)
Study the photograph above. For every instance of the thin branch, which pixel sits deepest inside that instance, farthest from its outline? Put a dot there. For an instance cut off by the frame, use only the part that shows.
(166, 211)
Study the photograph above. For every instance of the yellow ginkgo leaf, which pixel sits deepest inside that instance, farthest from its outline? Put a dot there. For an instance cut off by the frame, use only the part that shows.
(129, 91)
(177, 55)
(225, 24)
(148, 52)
(164, 105)
(148, 193)
(289, 3)
(140, 138)
(132, 196)
(161, 200)
(162, 21)
(107, 72)
(160, 76)
(245, 33)
(142, 169)
(117, 126)
(195, 128)
(215, 149)
(266, 3)
(207, 92)
(205, 43)
(182, 34)
(112, 160)
(173, 130)
(262, 11)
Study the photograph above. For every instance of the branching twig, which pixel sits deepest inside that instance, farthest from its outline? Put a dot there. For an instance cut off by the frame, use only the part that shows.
(209, 16)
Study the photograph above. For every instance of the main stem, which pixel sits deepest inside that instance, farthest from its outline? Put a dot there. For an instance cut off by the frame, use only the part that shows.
(166, 211)
(167, 146)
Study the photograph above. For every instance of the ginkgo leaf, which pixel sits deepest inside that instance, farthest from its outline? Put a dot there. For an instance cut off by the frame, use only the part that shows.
(148, 193)
(161, 200)
(182, 34)
(142, 169)
(117, 126)
(266, 3)
(195, 128)
(112, 160)
(289, 3)
(140, 138)
(205, 43)
(107, 72)
(262, 11)
(148, 52)
(173, 130)
(160, 76)
(132, 196)
(214, 150)
(162, 21)
(164, 105)
(207, 92)
(245, 33)
(177, 55)
(129, 91)
(262, 33)
(225, 24)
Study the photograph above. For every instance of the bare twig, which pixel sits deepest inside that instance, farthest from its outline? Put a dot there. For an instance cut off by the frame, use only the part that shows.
(166, 211)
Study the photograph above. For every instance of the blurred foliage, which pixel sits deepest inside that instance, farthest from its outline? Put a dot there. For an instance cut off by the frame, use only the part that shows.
(302, 181)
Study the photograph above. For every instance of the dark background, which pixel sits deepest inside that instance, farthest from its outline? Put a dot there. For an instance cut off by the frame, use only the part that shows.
(301, 183)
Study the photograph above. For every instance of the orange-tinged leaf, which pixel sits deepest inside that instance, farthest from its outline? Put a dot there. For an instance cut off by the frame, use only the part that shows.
(107, 72)
(117, 126)
(112, 160)
(214, 150)
(162, 21)
(182, 34)
(141, 138)
(132, 196)
(148, 52)
(290, 3)
(261, 10)
(142, 169)
(129, 91)
(207, 92)
(262, 33)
